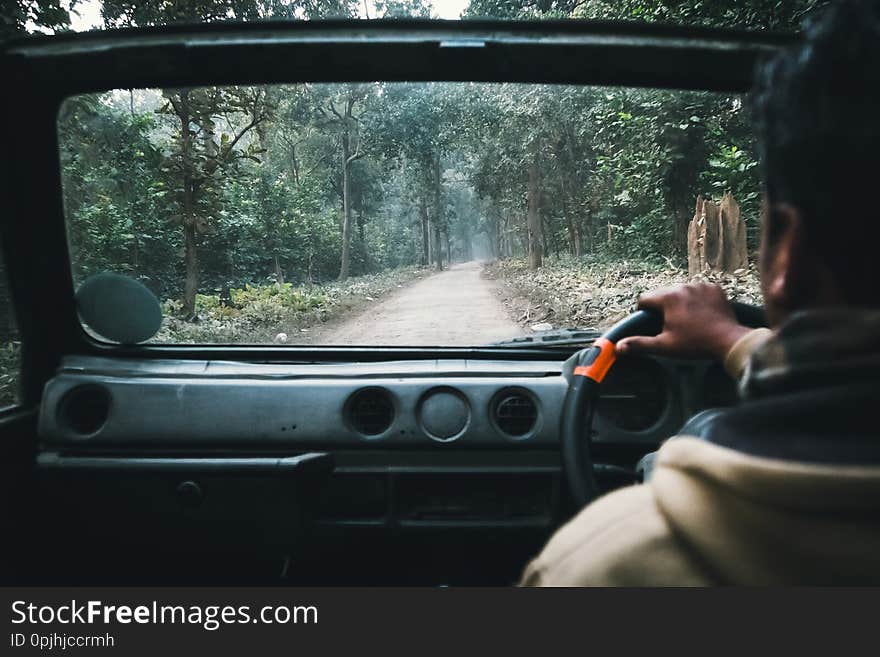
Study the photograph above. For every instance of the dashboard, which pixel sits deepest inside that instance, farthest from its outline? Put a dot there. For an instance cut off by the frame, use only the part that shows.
(95, 403)
(457, 461)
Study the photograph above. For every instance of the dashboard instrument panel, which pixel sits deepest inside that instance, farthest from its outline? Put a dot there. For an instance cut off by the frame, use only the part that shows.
(99, 402)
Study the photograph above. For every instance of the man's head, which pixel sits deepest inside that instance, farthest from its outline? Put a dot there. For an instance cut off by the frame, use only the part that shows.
(817, 116)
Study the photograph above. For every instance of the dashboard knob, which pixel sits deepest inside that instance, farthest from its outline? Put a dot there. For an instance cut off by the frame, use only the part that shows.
(444, 414)
(189, 494)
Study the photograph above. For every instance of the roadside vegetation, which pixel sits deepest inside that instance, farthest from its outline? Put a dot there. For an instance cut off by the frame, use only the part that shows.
(596, 292)
(277, 313)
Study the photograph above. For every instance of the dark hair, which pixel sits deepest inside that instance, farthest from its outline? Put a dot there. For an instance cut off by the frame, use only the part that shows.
(816, 109)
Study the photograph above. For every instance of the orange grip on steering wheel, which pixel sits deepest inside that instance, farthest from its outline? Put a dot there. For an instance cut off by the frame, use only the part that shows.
(599, 360)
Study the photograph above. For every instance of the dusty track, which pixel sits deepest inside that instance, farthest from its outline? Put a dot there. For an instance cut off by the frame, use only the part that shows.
(457, 307)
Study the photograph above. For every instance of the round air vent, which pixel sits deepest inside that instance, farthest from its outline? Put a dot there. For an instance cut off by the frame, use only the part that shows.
(370, 411)
(515, 413)
(84, 409)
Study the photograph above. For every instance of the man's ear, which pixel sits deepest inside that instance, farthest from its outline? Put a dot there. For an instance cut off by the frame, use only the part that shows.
(793, 274)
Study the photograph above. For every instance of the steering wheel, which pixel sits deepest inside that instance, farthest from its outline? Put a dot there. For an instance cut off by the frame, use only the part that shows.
(590, 367)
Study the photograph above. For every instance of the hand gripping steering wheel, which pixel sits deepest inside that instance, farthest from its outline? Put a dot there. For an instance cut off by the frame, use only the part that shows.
(590, 367)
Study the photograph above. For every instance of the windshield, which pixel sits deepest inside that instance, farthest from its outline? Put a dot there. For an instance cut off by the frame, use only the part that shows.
(406, 214)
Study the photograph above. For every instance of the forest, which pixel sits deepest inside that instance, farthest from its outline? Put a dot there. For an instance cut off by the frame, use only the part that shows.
(196, 190)
(242, 207)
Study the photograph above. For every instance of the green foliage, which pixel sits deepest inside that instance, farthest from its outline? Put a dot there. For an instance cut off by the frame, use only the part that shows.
(402, 8)
(619, 171)
(122, 13)
(258, 313)
(283, 296)
(17, 16)
(116, 193)
(775, 14)
(620, 168)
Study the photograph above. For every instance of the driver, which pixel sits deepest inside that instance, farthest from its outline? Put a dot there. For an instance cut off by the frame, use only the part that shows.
(785, 487)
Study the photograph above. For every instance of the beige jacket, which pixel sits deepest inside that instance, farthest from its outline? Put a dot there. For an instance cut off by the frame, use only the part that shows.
(712, 515)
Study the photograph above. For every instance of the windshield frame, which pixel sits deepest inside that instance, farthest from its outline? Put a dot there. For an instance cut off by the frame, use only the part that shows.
(579, 52)
(49, 69)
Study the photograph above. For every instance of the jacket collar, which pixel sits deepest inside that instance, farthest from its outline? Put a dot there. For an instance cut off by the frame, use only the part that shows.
(815, 349)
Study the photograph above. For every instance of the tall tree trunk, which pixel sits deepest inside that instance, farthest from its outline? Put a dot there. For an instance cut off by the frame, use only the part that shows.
(547, 233)
(346, 207)
(269, 220)
(135, 256)
(212, 157)
(431, 244)
(501, 233)
(437, 215)
(438, 248)
(279, 273)
(294, 161)
(362, 217)
(683, 216)
(590, 228)
(426, 238)
(190, 221)
(191, 258)
(502, 236)
(448, 248)
(533, 220)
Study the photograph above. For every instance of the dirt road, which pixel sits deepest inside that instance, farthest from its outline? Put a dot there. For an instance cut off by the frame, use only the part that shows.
(457, 307)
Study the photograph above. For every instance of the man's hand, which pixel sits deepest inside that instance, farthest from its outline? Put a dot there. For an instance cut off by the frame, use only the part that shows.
(698, 322)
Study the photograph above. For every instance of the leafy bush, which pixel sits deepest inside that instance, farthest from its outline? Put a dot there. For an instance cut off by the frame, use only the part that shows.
(258, 313)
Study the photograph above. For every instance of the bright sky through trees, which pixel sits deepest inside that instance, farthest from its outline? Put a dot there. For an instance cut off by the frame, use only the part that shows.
(86, 14)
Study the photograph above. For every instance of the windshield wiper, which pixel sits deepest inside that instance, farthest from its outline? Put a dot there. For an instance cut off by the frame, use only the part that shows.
(555, 338)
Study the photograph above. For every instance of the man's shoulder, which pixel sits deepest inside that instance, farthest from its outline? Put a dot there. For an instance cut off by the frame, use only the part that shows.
(620, 539)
